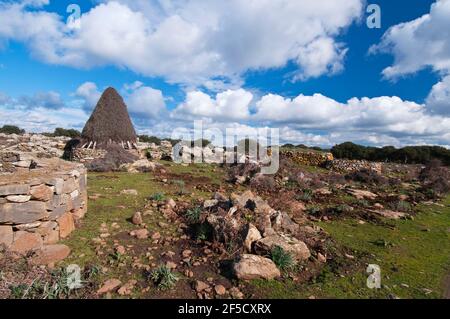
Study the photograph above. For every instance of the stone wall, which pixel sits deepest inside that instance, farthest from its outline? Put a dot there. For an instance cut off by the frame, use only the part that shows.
(308, 157)
(38, 207)
(348, 166)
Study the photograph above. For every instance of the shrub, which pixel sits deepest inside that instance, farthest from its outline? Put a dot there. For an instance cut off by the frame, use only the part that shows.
(68, 133)
(11, 129)
(282, 258)
(306, 195)
(435, 179)
(163, 277)
(194, 215)
(367, 176)
(157, 197)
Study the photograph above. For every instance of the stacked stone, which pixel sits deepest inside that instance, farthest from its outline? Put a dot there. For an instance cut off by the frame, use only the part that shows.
(348, 166)
(41, 145)
(42, 209)
(85, 155)
(157, 152)
(308, 158)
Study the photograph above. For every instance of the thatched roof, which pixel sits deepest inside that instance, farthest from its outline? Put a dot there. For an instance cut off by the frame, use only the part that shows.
(110, 122)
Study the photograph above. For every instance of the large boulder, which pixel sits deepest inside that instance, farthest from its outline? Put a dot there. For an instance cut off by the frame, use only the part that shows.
(250, 267)
(295, 247)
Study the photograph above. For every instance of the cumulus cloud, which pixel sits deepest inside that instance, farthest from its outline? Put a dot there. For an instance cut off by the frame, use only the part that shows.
(438, 100)
(420, 43)
(190, 41)
(320, 119)
(231, 104)
(145, 101)
(88, 92)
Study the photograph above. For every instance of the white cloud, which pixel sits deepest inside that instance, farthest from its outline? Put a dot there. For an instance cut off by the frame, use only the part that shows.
(89, 92)
(420, 43)
(145, 101)
(438, 101)
(231, 104)
(190, 41)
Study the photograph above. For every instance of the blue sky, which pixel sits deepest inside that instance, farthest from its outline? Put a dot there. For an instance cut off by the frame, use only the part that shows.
(306, 69)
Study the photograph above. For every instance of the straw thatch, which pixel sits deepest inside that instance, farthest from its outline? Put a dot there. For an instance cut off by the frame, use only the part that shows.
(109, 123)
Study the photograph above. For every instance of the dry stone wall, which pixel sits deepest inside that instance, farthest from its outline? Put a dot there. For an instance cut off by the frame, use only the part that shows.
(38, 207)
(308, 158)
(348, 166)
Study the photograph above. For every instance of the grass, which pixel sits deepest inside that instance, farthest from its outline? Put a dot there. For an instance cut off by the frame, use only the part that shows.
(282, 258)
(413, 257)
(163, 277)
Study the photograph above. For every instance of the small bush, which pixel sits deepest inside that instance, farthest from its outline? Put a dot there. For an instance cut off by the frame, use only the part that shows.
(163, 277)
(194, 215)
(11, 129)
(306, 195)
(435, 179)
(282, 258)
(367, 176)
(67, 133)
(158, 197)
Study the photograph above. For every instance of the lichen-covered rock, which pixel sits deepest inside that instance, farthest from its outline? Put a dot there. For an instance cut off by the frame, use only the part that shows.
(250, 267)
(295, 247)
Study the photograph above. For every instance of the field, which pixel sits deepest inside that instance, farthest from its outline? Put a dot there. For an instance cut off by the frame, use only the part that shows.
(413, 253)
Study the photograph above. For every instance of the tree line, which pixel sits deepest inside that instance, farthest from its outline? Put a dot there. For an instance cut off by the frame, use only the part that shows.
(406, 155)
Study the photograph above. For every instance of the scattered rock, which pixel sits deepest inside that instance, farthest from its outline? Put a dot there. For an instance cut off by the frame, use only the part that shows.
(389, 214)
(109, 285)
(220, 290)
(362, 194)
(200, 286)
(131, 192)
(171, 203)
(140, 233)
(253, 235)
(127, 289)
(295, 247)
(251, 267)
(137, 218)
(236, 293)
(156, 236)
(51, 254)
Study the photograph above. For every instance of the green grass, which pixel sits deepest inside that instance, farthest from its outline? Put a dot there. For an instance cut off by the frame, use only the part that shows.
(414, 262)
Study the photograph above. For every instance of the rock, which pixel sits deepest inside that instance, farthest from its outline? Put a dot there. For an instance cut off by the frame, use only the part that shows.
(171, 203)
(131, 192)
(41, 193)
(6, 235)
(251, 267)
(22, 213)
(127, 289)
(156, 236)
(220, 197)
(295, 247)
(140, 233)
(51, 254)
(58, 184)
(362, 194)
(389, 214)
(200, 286)
(281, 221)
(171, 265)
(378, 206)
(140, 166)
(69, 186)
(323, 191)
(66, 225)
(25, 242)
(28, 226)
(186, 253)
(120, 250)
(109, 285)
(14, 190)
(210, 203)
(137, 218)
(236, 293)
(18, 198)
(220, 290)
(321, 258)
(253, 235)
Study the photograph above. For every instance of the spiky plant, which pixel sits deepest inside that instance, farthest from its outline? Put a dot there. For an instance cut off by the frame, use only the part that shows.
(194, 215)
(282, 258)
(163, 277)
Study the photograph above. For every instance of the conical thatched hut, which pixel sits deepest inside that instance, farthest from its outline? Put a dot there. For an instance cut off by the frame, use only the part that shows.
(109, 124)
